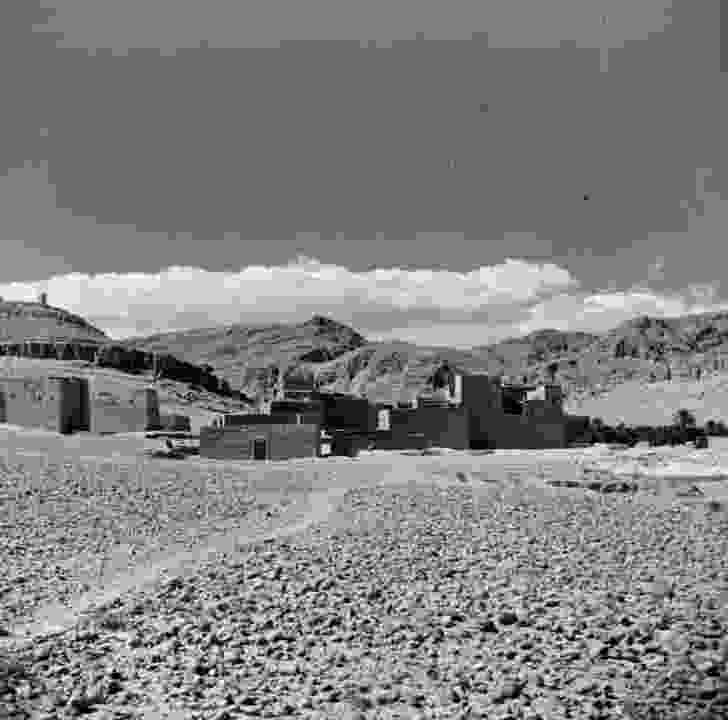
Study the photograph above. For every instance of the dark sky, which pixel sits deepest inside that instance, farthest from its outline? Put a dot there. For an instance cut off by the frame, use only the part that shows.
(586, 134)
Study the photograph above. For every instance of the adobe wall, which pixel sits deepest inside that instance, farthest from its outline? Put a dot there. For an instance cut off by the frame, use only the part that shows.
(496, 430)
(41, 402)
(245, 419)
(577, 427)
(284, 441)
(118, 408)
(389, 440)
(350, 412)
(443, 427)
(227, 444)
(294, 441)
(481, 391)
(174, 421)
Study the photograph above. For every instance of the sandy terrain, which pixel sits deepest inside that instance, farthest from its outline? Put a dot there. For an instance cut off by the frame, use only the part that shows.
(637, 402)
(411, 586)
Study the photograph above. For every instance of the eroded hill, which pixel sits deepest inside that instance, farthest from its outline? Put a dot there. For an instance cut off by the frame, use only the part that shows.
(640, 350)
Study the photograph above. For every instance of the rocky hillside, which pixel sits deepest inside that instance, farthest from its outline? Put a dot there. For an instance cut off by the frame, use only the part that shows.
(32, 320)
(343, 360)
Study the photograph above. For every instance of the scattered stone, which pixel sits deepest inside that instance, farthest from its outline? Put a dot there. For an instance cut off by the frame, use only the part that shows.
(507, 690)
(456, 602)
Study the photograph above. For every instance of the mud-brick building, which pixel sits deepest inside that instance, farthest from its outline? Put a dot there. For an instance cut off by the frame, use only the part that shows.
(264, 440)
(59, 404)
(348, 421)
(70, 404)
(513, 416)
(120, 408)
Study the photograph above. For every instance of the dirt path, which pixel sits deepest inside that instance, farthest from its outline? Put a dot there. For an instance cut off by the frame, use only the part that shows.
(56, 618)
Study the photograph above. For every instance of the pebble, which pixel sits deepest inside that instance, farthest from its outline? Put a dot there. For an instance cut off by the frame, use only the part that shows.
(454, 602)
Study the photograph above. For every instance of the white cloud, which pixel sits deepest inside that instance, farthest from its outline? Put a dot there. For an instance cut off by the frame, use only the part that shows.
(185, 297)
(602, 311)
(435, 307)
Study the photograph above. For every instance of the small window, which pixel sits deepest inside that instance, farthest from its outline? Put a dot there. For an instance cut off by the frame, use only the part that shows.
(260, 449)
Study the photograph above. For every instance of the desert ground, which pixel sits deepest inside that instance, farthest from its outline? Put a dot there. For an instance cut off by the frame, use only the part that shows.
(395, 585)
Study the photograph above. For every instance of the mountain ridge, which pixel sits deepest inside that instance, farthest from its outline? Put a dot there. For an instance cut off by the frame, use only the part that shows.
(344, 360)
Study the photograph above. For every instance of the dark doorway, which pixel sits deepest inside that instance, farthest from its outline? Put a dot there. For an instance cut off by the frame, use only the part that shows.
(260, 449)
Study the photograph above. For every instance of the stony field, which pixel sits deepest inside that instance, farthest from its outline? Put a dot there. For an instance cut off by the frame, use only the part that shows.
(67, 526)
(426, 594)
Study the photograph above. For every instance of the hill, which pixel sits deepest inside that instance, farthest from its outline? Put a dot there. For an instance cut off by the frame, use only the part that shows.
(588, 365)
(20, 321)
(52, 334)
(635, 356)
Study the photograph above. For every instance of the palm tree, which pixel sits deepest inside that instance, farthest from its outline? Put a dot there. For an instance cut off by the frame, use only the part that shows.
(684, 419)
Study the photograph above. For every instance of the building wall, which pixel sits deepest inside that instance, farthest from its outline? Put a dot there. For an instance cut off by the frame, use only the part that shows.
(274, 418)
(284, 441)
(481, 391)
(542, 409)
(554, 394)
(243, 419)
(349, 412)
(46, 402)
(442, 426)
(117, 408)
(577, 427)
(389, 440)
(497, 430)
(174, 421)
(288, 407)
(445, 427)
(294, 441)
(349, 443)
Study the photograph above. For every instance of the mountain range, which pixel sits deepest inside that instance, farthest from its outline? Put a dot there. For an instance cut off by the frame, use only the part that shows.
(344, 360)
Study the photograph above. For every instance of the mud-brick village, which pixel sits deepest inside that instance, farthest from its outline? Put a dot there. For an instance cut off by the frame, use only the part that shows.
(455, 410)
(363, 361)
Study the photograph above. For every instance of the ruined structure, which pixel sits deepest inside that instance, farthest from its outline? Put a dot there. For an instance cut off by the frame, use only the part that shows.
(73, 404)
(59, 404)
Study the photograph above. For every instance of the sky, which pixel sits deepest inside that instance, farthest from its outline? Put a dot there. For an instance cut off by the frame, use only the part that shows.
(446, 174)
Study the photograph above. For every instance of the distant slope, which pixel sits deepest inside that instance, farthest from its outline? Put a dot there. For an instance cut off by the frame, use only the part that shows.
(346, 361)
(639, 403)
(30, 320)
(33, 321)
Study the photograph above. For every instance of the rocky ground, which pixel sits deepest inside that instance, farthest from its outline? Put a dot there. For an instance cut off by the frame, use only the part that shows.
(65, 526)
(469, 599)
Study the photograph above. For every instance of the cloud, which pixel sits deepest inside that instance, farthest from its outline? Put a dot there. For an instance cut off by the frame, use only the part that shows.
(431, 307)
(180, 298)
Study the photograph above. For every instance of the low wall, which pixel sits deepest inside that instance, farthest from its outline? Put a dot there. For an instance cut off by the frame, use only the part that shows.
(497, 430)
